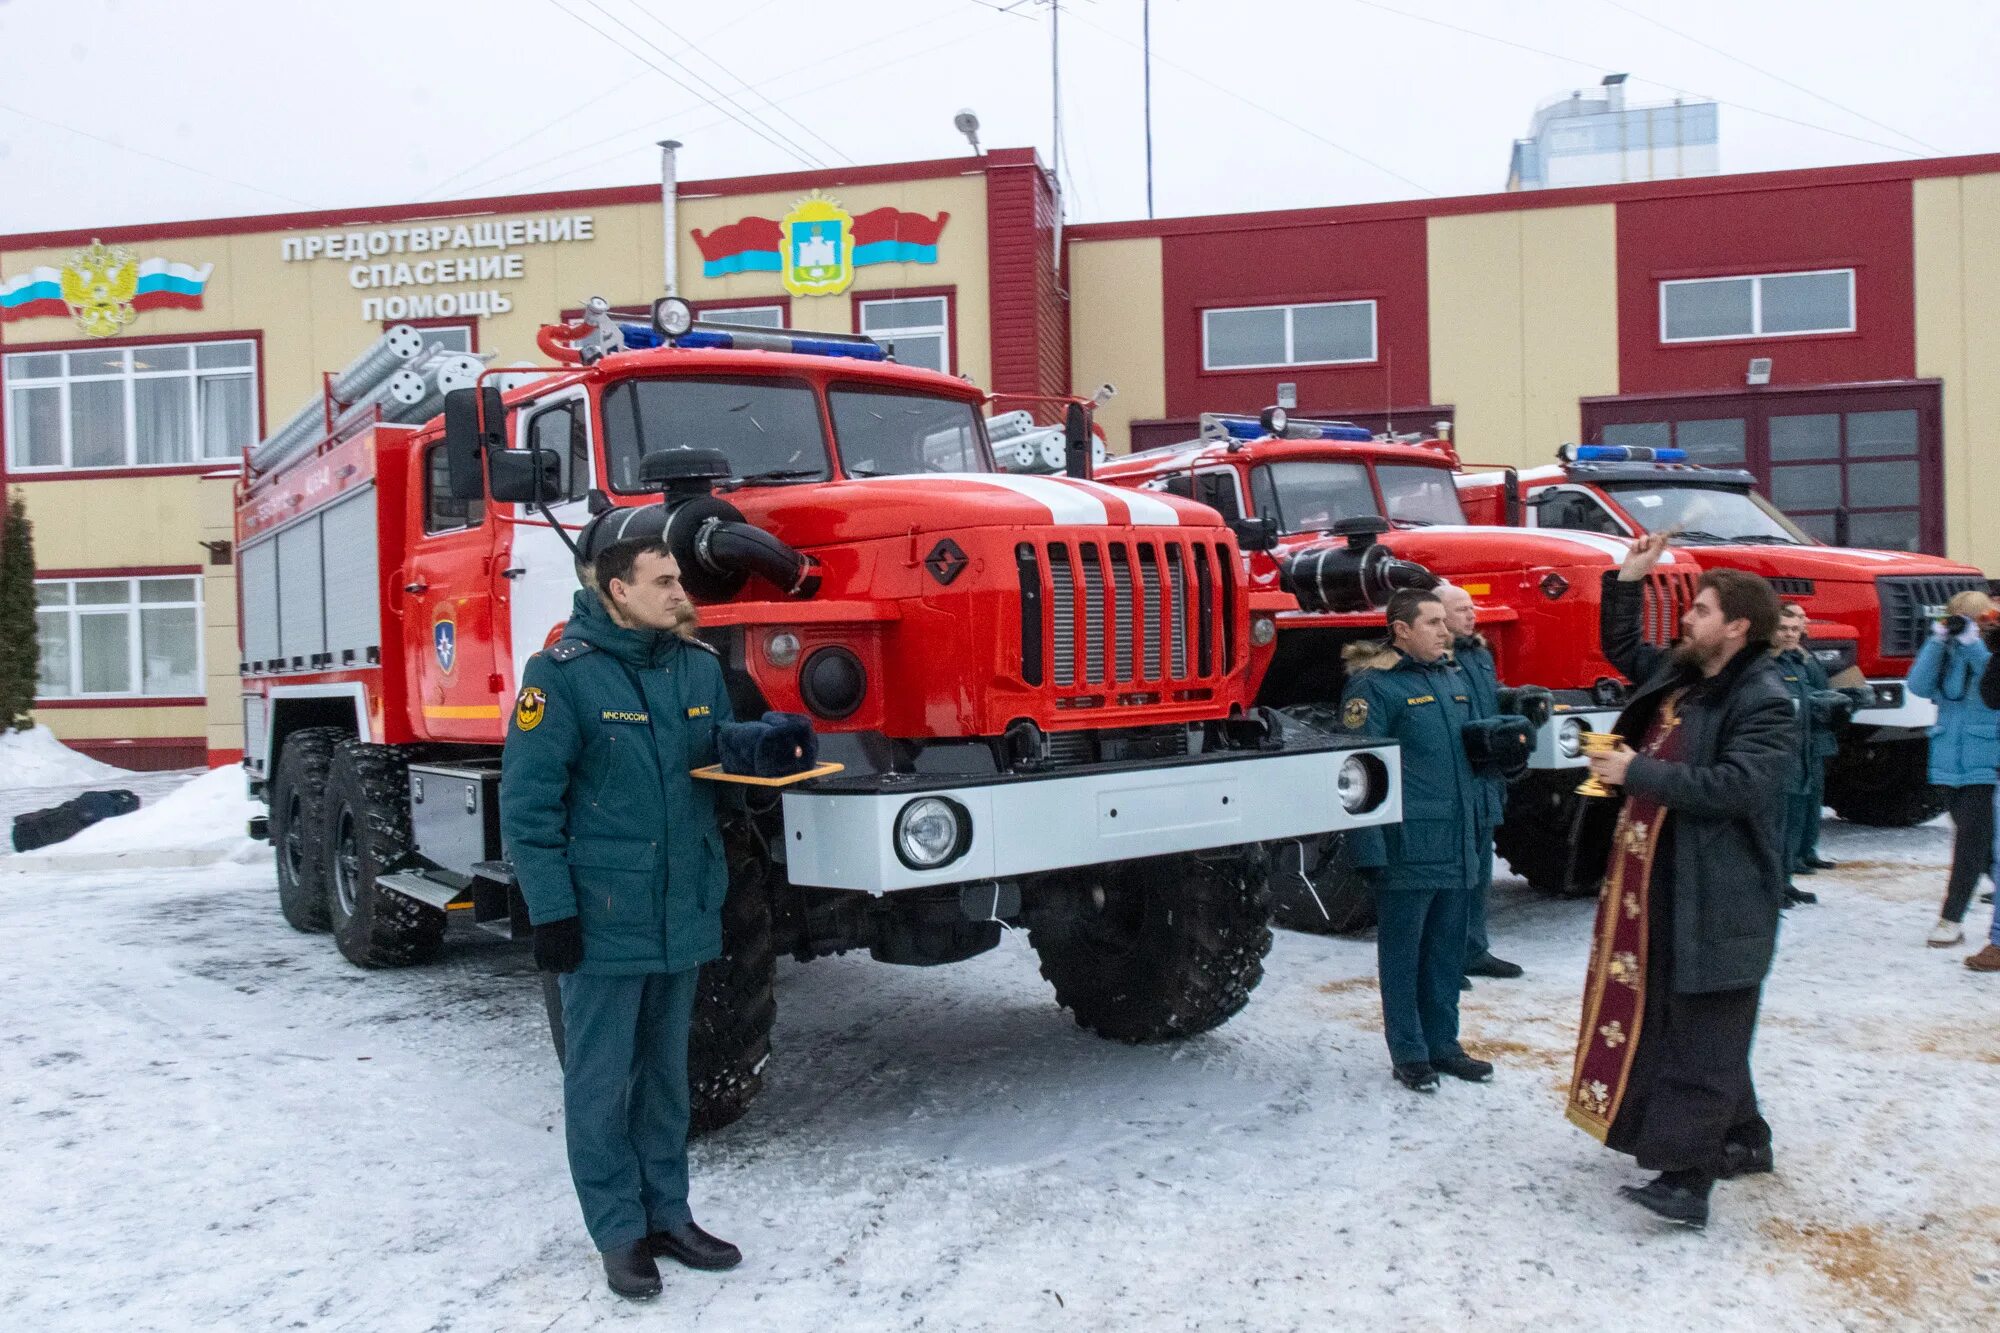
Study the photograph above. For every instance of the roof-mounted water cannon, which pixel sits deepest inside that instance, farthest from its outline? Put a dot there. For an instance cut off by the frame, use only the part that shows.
(1357, 574)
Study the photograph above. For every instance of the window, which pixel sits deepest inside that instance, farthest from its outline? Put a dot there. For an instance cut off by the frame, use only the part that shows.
(754, 316)
(890, 432)
(916, 328)
(443, 511)
(1417, 494)
(1312, 497)
(151, 405)
(765, 427)
(1288, 335)
(1764, 305)
(452, 337)
(125, 637)
(1699, 514)
(561, 431)
(1576, 511)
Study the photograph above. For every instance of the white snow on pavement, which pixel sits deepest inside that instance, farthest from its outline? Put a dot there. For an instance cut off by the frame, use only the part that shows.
(35, 758)
(215, 1122)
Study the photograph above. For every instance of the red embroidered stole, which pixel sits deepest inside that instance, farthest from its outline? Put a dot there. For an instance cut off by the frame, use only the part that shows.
(1614, 988)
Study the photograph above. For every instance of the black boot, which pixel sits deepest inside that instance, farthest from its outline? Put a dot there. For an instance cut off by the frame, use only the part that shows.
(1486, 965)
(1678, 1196)
(1818, 862)
(688, 1244)
(631, 1272)
(1463, 1066)
(1746, 1159)
(1793, 897)
(1417, 1076)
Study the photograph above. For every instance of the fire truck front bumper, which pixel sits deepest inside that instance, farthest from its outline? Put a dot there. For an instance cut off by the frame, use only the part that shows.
(887, 832)
(1559, 743)
(1895, 706)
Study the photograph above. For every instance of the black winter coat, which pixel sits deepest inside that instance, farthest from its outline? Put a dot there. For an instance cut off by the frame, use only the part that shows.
(1727, 800)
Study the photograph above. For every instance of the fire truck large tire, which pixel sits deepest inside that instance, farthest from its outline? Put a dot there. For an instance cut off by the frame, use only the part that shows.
(298, 820)
(1883, 784)
(733, 1010)
(1534, 841)
(1337, 887)
(1160, 949)
(367, 834)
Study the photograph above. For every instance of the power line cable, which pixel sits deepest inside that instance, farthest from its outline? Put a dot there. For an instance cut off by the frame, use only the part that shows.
(1600, 65)
(1209, 82)
(1771, 74)
(539, 130)
(775, 140)
(140, 152)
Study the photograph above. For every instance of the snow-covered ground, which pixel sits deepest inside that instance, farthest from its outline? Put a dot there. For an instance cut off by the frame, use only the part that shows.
(213, 1122)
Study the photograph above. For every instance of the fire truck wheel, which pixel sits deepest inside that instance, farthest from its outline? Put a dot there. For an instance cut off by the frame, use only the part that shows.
(1534, 841)
(298, 800)
(731, 1036)
(1883, 785)
(1159, 949)
(1336, 887)
(367, 833)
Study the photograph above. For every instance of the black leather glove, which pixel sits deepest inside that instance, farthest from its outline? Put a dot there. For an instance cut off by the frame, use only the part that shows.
(1533, 702)
(1498, 743)
(1830, 708)
(1955, 625)
(559, 945)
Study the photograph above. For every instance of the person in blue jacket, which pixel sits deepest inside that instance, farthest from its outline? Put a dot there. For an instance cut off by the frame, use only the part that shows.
(1423, 869)
(618, 853)
(1965, 750)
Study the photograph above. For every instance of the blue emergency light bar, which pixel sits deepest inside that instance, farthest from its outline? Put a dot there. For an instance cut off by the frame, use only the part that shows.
(639, 337)
(1619, 453)
(1248, 428)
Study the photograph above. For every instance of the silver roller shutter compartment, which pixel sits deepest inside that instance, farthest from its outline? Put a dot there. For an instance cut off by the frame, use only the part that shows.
(301, 607)
(353, 613)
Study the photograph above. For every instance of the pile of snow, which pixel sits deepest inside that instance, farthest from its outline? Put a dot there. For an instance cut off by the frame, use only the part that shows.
(35, 758)
(198, 823)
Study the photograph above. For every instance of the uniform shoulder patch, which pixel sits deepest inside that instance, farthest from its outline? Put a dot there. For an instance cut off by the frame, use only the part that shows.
(1354, 713)
(568, 650)
(530, 708)
(704, 645)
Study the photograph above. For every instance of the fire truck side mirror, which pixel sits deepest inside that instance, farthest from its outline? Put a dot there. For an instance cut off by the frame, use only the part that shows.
(526, 476)
(1255, 534)
(475, 421)
(1076, 440)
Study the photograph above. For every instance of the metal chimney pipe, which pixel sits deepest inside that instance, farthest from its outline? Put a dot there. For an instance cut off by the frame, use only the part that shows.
(669, 214)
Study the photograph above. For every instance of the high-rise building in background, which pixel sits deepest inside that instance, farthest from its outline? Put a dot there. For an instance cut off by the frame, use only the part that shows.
(1578, 140)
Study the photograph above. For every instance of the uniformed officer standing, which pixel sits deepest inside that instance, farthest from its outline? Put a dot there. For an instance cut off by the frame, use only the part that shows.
(1423, 869)
(1821, 710)
(1474, 659)
(619, 856)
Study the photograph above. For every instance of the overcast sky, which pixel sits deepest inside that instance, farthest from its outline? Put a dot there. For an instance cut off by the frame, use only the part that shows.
(121, 111)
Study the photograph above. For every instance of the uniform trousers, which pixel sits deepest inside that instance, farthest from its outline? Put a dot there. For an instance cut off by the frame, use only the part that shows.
(625, 1100)
(1420, 960)
(1477, 945)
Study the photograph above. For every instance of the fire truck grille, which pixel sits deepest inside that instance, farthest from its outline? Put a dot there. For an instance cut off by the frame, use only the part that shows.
(1669, 593)
(1911, 601)
(1126, 611)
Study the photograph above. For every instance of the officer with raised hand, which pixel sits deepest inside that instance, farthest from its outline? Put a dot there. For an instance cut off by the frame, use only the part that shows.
(618, 853)
(1423, 869)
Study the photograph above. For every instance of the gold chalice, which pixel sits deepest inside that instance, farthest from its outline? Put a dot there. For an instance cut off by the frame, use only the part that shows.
(1595, 745)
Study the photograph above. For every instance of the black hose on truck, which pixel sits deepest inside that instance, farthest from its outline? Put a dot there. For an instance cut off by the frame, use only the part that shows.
(1357, 574)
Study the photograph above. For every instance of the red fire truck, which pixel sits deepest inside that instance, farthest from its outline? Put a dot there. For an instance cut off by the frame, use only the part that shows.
(1043, 689)
(1323, 485)
(1870, 610)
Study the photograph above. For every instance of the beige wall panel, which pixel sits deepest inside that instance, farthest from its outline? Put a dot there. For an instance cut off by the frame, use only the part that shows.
(1957, 230)
(140, 723)
(1523, 324)
(114, 522)
(1117, 319)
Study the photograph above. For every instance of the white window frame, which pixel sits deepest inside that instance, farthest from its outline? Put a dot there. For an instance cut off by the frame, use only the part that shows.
(941, 330)
(135, 646)
(1756, 281)
(1291, 354)
(10, 381)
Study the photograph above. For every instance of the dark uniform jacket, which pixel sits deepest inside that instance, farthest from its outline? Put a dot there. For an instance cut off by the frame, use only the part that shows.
(1482, 680)
(1439, 844)
(1727, 806)
(597, 810)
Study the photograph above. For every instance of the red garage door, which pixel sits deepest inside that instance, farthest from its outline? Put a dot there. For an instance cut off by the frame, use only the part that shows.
(1852, 464)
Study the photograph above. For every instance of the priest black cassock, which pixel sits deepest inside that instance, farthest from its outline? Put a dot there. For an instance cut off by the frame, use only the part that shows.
(1694, 877)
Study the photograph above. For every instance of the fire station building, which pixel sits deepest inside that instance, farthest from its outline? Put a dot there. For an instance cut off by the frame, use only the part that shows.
(1825, 328)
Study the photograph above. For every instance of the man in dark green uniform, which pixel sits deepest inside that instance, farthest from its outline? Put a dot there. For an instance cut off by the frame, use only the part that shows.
(1821, 709)
(1423, 868)
(1474, 659)
(619, 857)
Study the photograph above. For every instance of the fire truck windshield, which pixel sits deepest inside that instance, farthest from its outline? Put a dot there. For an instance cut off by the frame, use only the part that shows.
(1313, 496)
(768, 428)
(1706, 513)
(893, 432)
(1417, 494)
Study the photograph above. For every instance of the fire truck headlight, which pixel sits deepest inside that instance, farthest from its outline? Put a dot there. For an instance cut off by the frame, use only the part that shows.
(1569, 737)
(1263, 629)
(932, 831)
(781, 649)
(1361, 783)
(1273, 421)
(672, 316)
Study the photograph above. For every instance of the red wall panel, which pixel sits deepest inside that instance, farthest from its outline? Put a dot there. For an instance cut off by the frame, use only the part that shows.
(1864, 226)
(1384, 260)
(1030, 318)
